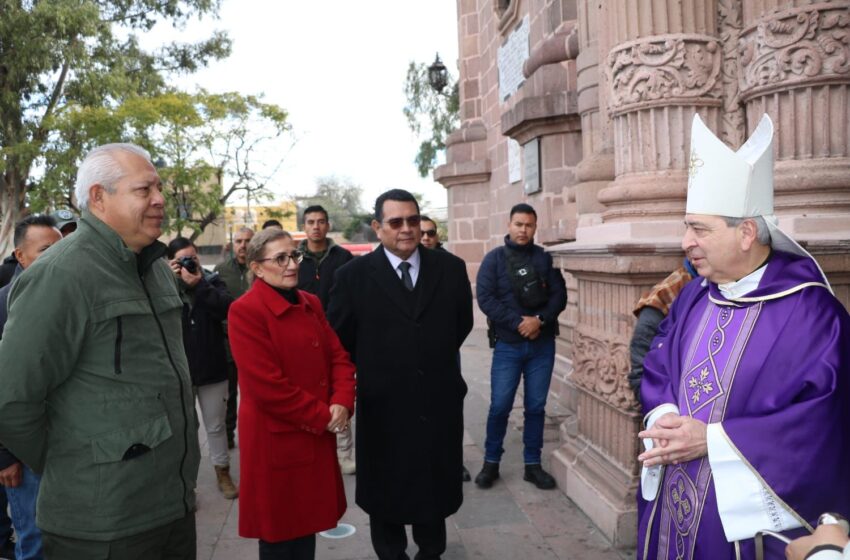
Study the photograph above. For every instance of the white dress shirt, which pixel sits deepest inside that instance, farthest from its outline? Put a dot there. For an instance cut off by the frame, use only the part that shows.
(412, 259)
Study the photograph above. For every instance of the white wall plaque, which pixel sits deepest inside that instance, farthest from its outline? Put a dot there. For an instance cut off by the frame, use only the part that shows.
(531, 165)
(514, 161)
(510, 57)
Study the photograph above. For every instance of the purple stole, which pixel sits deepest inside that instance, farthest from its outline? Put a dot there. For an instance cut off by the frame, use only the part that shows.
(709, 371)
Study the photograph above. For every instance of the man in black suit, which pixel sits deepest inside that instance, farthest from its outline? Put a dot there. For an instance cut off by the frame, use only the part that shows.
(403, 313)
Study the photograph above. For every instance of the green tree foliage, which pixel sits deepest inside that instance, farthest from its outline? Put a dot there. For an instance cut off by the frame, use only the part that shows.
(66, 61)
(340, 197)
(431, 116)
(359, 228)
(214, 148)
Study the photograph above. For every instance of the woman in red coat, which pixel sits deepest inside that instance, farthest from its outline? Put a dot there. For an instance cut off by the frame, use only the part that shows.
(297, 390)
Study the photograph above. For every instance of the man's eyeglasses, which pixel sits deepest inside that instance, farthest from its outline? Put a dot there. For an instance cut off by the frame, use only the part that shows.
(429, 233)
(282, 259)
(396, 223)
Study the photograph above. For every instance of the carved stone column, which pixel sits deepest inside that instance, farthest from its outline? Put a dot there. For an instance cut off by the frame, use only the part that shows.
(660, 62)
(596, 169)
(664, 67)
(795, 66)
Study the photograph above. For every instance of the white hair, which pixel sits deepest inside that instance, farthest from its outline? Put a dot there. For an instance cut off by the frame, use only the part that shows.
(762, 233)
(100, 167)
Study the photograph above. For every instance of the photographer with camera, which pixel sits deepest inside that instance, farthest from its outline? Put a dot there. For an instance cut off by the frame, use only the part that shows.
(522, 295)
(205, 305)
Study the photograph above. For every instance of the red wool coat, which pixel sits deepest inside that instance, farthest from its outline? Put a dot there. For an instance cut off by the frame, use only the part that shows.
(292, 367)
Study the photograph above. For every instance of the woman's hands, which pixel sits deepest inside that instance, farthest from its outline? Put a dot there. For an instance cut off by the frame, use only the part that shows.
(339, 418)
(190, 278)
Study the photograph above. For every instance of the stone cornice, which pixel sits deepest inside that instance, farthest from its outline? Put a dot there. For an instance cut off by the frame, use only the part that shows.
(463, 173)
(472, 131)
(538, 116)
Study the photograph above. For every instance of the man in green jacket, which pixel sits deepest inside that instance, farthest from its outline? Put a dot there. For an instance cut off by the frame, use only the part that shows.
(234, 273)
(96, 391)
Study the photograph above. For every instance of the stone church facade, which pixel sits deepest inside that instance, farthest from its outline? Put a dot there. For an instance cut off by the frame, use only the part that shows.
(583, 108)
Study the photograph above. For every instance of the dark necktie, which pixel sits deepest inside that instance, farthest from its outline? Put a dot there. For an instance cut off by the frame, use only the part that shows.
(405, 276)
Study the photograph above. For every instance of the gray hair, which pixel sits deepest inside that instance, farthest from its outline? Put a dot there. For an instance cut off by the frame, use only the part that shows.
(257, 245)
(762, 232)
(100, 167)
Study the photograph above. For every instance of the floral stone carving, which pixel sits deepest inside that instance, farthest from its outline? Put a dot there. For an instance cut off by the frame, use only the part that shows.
(600, 365)
(808, 46)
(664, 70)
(730, 23)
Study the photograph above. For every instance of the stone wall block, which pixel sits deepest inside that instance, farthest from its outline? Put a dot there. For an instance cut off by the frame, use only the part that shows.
(469, 251)
(552, 151)
(480, 228)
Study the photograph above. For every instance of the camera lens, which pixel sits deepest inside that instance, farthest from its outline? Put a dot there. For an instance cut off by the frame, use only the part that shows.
(189, 264)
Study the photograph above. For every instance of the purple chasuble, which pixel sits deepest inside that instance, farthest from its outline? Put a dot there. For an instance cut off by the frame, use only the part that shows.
(773, 368)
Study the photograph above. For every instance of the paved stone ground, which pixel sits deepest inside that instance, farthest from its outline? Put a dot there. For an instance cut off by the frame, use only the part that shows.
(513, 520)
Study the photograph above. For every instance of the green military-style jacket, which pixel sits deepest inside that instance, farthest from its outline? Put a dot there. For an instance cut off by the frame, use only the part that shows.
(237, 279)
(235, 276)
(96, 393)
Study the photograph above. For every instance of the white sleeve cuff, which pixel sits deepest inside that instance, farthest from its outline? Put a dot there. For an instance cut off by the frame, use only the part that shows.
(650, 478)
(657, 413)
(745, 504)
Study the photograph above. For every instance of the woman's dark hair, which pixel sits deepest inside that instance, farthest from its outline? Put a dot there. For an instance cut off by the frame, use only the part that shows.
(178, 244)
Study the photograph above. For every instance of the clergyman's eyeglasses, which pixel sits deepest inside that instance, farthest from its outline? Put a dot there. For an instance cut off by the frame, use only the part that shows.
(282, 259)
(396, 223)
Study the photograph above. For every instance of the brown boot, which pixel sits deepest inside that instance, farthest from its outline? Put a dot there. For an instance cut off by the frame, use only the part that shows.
(225, 483)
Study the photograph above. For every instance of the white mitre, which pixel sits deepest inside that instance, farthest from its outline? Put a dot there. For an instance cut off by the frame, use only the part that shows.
(723, 182)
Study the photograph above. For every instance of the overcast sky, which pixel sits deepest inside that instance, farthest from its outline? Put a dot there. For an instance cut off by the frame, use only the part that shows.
(338, 68)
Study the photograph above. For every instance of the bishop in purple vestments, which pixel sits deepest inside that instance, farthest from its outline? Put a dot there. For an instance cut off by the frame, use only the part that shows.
(747, 387)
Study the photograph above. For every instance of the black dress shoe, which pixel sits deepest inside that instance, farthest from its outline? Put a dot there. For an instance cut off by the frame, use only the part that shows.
(489, 473)
(466, 476)
(540, 478)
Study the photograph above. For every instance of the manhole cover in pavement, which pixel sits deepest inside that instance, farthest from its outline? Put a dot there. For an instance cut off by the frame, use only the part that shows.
(341, 531)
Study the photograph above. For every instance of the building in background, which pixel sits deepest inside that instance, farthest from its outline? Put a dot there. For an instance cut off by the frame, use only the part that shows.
(583, 109)
(254, 216)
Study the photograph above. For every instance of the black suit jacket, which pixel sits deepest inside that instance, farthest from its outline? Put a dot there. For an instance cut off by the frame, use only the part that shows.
(409, 388)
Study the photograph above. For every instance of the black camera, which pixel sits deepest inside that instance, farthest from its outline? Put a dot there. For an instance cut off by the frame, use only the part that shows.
(189, 263)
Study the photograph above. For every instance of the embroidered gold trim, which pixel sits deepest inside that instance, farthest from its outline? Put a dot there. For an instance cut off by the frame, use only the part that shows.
(766, 486)
(769, 297)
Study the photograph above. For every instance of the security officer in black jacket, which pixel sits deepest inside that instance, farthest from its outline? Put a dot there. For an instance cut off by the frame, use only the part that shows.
(321, 255)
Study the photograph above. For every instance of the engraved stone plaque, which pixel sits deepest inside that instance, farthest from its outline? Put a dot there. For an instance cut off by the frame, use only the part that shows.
(510, 57)
(531, 166)
(514, 161)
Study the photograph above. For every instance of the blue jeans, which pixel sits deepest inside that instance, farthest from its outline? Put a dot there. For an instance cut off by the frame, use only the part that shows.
(22, 506)
(533, 360)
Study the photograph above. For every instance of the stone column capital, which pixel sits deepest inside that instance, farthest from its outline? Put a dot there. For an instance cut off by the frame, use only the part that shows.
(664, 70)
(804, 46)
